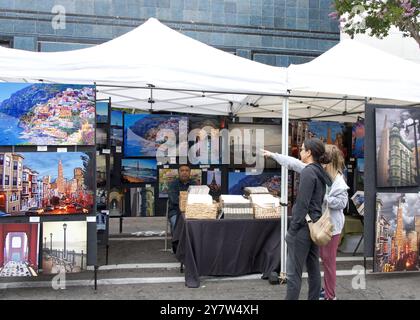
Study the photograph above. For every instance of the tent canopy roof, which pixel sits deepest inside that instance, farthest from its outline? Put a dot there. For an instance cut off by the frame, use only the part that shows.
(137, 69)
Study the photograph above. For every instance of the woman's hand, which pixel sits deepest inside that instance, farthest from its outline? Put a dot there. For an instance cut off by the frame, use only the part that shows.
(266, 153)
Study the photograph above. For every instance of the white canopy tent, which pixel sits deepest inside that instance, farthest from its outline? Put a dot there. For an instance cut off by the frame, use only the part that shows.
(156, 68)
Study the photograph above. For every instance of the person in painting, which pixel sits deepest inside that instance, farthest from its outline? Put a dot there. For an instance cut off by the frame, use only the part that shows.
(182, 183)
(336, 198)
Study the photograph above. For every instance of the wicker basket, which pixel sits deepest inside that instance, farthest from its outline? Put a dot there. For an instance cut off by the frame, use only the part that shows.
(201, 211)
(183, 195)
(266, 212)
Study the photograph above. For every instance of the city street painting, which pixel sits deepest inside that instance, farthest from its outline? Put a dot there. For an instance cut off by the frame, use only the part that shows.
(47, 114)
(139, 170)
(19, 249)
(397, 147)
(141, 133)
(329, 132)
(167, 176)
(397, 232)
(64, 246)
(239, 180)
(46, 183)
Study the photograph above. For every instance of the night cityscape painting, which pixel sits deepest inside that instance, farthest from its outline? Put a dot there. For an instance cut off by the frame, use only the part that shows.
(47, 114)
(46, 183)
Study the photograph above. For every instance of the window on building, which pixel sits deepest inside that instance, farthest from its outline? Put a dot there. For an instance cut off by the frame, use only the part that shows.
(7, 161)
(1, 179)
(15, 165)
(6, 180)
(1, 159)
(14, 181)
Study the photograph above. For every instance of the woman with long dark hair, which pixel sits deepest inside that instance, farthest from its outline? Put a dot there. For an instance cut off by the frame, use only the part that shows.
(336, 199)
(301, 250)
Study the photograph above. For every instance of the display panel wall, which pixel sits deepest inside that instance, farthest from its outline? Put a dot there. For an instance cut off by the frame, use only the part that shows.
(390, 195)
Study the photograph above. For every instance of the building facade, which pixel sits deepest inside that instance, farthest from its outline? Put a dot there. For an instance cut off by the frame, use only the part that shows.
(275, 32)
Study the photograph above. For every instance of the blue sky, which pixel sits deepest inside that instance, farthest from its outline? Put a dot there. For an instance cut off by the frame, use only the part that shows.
(144, 163)
(8, 88)
(46, 163)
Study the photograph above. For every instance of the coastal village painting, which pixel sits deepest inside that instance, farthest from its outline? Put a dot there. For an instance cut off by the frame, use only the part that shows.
(47, 114)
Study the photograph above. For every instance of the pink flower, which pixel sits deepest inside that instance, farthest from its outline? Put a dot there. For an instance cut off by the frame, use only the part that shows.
(333, 15)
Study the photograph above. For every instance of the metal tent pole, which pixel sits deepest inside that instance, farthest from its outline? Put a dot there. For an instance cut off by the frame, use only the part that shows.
(284, 189)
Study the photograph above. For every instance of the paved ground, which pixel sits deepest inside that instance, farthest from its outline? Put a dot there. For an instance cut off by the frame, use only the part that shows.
(377, 288)
(140, 268)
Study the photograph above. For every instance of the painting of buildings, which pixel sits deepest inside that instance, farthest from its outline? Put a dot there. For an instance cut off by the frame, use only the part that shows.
(64, 246)
(47, 114)
(329, 132)
(396, 152)
(46, 183)
(19, 249)
(397, 232)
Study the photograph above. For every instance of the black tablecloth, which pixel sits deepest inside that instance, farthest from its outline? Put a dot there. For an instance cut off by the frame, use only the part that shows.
(227, 247)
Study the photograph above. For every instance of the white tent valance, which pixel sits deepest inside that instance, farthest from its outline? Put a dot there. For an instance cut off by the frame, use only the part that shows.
(206, 80)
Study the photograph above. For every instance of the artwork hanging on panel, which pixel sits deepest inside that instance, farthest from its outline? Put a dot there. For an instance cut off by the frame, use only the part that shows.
(116, 137)
(167, 176)
(206, 128)
(116, 202)
(116, 118)
(397, 232)
(239, 180)
(102, 112)
(46, 183)
(101, 138)
(329, 132)
(64, 246)
(271, 135)
(214, 182)
(101, 170)
(139, 170)
(19, 243)
(396, 151)
(141, 133)
(358, 139)
(142, 202)
(47, 114)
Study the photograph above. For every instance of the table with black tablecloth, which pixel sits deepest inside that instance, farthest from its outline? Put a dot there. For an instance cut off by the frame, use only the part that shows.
(227, 247)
